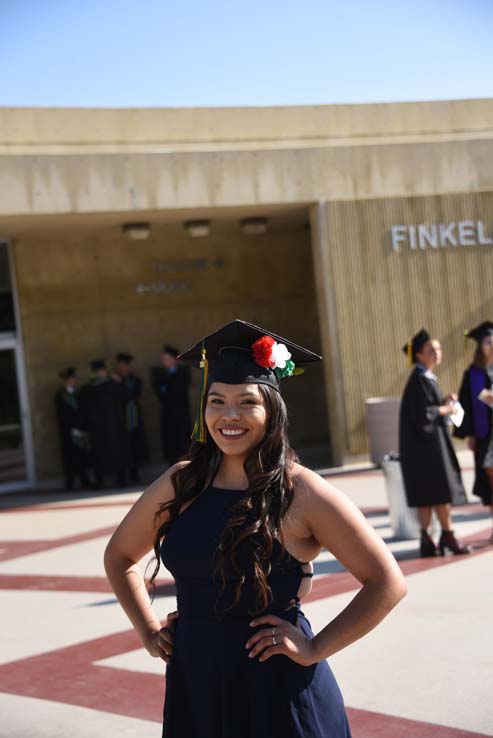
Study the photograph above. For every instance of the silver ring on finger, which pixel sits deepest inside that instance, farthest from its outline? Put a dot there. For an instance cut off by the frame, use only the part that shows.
(273, 630)
(274, 640)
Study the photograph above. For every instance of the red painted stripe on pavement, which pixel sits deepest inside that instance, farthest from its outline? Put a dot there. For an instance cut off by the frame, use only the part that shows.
(336, 583)
(17, 549)
(377, 471)
(70, 676)
(36, 582)
(53, 507)
(67, 675)
(374, 510)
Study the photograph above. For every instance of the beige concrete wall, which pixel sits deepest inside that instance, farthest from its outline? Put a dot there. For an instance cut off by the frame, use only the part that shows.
(98, 183)
(38, 127)
(384, 296)
(78, 298)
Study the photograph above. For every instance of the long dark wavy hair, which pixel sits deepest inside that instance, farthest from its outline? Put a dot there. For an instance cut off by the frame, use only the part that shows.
(255, 519)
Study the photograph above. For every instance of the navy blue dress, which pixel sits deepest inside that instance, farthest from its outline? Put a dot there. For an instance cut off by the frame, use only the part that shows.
(213, 690)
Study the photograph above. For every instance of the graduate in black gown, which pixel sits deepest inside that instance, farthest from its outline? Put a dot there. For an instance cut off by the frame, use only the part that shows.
(477, 427)
(133, 416)
(171, 383)
(431, 472)
(103, 415)
(234, 523)
(73, 441)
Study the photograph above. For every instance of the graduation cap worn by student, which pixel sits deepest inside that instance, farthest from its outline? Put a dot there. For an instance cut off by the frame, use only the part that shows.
(243, 353)
(415, 344)
(171, 350)
(97, 364)
(124, 358)
(67, 373)
(480, 331)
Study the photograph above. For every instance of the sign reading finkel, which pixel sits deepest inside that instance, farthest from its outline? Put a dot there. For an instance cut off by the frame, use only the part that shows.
(440, 235)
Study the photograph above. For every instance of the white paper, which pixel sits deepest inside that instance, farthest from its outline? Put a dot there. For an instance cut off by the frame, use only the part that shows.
(485, 395)
(458, 416)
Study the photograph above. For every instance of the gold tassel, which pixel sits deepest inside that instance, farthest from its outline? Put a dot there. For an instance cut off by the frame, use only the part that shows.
(465, 339)
(410, 353)
(199, 431)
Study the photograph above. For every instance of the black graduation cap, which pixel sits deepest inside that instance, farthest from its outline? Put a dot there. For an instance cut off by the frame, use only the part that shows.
(167, 349)
(97, 364)
(480, 331)
(67, 373)
(124, 358)
(243, 353)
(416, 343)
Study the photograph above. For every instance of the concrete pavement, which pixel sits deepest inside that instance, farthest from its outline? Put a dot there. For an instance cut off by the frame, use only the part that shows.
(70, 664)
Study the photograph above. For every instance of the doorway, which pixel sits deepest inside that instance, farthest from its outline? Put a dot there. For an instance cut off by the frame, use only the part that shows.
(16, 450)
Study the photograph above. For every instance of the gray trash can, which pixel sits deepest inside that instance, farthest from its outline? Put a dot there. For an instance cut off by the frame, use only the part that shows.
(382, 422)
(403, 519)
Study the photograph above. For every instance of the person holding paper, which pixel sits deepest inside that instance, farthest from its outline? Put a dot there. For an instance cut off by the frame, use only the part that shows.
(431, 472)
(476, 396)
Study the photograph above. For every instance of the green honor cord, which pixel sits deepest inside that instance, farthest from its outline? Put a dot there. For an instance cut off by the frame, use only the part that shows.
(199, 431)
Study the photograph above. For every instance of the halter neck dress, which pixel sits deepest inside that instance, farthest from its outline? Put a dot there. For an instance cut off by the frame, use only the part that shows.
(213, 689)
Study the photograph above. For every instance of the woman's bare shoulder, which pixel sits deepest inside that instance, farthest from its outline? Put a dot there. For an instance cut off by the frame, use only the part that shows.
(161, 490)
(306, 481)
(163, 487)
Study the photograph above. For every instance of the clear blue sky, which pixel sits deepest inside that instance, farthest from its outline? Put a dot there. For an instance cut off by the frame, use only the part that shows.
(125, 53)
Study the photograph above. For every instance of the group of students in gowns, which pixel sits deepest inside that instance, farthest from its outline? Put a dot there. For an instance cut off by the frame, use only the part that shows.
(102, 436)
(101, 430)
(431, 472)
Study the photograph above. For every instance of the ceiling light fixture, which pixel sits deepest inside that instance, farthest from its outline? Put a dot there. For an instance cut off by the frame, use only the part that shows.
(253, 226)
(136, 231)
(197, 228)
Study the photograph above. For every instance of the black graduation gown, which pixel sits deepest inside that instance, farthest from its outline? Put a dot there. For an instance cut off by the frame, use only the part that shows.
(103, 413)
(73, 447)
(430, 468)
(172, 390)
(133, 421)
(469, 428)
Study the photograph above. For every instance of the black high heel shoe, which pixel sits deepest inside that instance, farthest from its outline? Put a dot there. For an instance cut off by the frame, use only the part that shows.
(427, 547)
(450, 542)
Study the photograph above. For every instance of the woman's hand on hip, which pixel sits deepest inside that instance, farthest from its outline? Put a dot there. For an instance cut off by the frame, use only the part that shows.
(159, 643)
(278, 637)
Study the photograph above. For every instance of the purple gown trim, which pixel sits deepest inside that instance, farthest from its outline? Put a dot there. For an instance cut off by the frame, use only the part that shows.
(480, 411)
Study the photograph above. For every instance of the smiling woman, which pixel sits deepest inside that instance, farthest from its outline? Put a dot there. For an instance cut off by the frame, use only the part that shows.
(235, 415)
(236, 522)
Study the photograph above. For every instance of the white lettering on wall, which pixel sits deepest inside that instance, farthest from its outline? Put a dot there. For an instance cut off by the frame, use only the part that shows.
(467, 233)
(398, 234)
(434, 235)
(412, 236)
(483, 239)
(447, 235)
(427, 235)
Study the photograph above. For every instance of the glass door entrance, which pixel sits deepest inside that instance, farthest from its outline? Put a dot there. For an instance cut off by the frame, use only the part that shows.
(16, 449)
(12, 457)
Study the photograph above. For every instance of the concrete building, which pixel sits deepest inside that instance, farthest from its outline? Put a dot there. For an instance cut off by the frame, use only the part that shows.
(345, 228)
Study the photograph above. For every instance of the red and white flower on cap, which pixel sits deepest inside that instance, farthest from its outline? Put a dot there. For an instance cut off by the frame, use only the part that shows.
(267, 352)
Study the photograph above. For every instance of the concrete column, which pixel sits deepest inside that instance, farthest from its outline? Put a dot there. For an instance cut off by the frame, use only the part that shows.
(327, 312)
